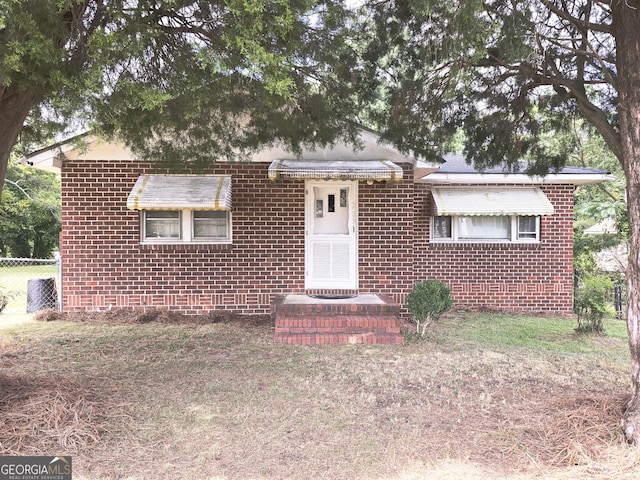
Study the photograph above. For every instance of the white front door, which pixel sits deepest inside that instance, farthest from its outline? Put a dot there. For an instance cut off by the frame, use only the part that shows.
(331, 234)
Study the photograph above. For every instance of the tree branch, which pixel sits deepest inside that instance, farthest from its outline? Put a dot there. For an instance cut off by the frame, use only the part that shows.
(576, 90)
(577, 22)
(54, 212)
(22, 190)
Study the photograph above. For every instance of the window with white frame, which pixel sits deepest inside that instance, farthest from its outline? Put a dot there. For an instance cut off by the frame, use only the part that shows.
(211, 225)
(186, 226)
(491, 214)
(162, 225)
(177, 209)
(485, 228)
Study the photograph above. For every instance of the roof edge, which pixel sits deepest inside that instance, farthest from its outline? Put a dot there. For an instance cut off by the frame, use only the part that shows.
(518, 178)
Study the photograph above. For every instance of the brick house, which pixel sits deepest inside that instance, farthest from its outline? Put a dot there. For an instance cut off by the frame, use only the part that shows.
(334, 221)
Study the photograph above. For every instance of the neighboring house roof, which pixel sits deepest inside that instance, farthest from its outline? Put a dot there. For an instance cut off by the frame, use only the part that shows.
(613, 259)
(605, 227)
(455, 169)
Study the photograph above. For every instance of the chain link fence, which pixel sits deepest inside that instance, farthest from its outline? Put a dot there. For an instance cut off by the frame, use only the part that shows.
(29, 284)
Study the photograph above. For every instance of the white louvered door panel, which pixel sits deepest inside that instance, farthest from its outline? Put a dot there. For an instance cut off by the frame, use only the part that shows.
(331, 235)
(340, 260)
(321, 260)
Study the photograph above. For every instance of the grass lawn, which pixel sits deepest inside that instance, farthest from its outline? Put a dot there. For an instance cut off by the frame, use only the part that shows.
(486, 396)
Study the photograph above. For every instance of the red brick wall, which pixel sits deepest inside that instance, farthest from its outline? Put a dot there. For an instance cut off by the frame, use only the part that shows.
(104, 265)
(386, 238)
(530, 277)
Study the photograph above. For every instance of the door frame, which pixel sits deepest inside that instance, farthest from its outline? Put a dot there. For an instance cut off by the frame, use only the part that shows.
(331, 284)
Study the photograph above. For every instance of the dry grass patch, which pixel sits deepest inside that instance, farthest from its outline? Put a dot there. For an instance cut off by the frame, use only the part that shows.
(47, 414)
(580, 431)
(214, 398)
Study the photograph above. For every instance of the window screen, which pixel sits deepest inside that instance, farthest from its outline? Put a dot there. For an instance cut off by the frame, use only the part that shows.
(162, 224)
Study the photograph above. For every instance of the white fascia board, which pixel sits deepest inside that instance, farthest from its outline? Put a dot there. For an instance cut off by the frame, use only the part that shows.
(50, 159)
(520, 179)
(434, 166)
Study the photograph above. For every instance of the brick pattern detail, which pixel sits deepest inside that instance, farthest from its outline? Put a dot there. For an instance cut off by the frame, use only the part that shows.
(524, 277)
(104, 266)
(385, 236)
(323, 323)
(335, 338)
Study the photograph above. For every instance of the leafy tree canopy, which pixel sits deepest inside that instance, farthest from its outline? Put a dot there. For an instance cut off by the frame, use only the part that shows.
(599, 203)
(29, 213)
(510, 74)
(179, 80)
(604, 200)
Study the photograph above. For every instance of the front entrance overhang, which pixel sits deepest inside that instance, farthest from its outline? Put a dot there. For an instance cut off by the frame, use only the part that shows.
(375, 170)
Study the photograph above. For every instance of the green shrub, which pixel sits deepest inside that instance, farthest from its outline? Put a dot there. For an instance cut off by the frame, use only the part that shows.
(593, 302)
(427, 302)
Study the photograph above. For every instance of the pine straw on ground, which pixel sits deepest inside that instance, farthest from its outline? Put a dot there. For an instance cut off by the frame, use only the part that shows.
(54, 414)
(42, 415)
(565, 432)
(150, 315)
(47, 414)
(585, 426)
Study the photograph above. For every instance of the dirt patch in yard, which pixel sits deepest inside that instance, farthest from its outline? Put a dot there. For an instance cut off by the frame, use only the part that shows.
(155, 394)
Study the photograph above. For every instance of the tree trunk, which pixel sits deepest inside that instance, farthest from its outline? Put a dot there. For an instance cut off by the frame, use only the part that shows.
(626, 27)
(15, 105)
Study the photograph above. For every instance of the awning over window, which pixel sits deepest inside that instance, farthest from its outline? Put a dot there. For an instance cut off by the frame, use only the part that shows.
(179, 192)
(490, 201)
(336, 170)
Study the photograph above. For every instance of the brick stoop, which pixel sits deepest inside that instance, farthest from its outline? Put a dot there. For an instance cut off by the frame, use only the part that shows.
(301, 320)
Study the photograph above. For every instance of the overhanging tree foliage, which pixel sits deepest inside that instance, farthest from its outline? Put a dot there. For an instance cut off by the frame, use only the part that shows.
(180, 81)
(512, 74)
(29, 213)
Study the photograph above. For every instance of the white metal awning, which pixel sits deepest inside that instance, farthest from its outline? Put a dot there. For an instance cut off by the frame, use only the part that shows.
(379, 170)
(180, 192)
(491, 201)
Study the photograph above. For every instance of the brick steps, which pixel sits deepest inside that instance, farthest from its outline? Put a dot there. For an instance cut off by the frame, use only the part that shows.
(336, 338)
(340, 322)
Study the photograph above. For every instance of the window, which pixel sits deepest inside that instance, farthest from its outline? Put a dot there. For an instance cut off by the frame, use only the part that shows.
(178, 209)
(485, 228)
(441, 227)
(210, 224)
(186, 226)
(529, 228)
(162, 224)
